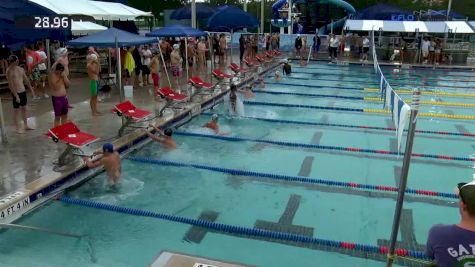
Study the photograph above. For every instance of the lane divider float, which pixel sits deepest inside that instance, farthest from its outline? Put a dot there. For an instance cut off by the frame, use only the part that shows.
(234, 229)
(297, 179)
(324, 147)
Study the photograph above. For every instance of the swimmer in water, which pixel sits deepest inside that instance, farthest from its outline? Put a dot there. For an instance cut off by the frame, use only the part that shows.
(261, 82)
(248, 91)
(213, 124)
(233, 97)
(277, 76)
(165, 137)
(111, 162)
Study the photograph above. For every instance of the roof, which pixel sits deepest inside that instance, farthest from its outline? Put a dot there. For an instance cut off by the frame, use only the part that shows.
(110, 37)
(409, 26)
(98, 9)
(85, 27)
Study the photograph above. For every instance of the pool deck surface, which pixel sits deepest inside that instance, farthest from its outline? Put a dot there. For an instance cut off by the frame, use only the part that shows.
(30, 156)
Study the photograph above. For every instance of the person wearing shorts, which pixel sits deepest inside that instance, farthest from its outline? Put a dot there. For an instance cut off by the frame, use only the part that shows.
(59, 82)
(176, 61)
(17, 79)
(93, 70)
(32, 61)
(154, 68)
(60, 105)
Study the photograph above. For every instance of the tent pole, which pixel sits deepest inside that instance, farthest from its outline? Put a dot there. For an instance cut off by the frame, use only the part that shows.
(118, 75)
(109, 54)
(48, 54)
(211, 52)
(186, 59)
(193, 13)
(231, 60)
(164, 64)
(262, 15)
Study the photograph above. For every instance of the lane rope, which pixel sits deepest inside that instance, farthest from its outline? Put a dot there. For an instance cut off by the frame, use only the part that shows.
(324, 147)
(369, 99)
(370, 81)
(233, 229)
(360, 110)
(365, 127)
(374, 90)
(298, 179)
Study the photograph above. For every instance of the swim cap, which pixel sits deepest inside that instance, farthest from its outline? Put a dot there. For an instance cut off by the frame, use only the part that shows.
(214, 117)
(108, 147)
(91, 57)
(277, 73)
(62, 51)
(235, 81)
(168, 132)
(286, 60)
(176, 46)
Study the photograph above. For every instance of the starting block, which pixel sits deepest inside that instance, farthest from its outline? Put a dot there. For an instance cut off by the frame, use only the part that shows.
(131, 113)
(74, 139)
(171, 96)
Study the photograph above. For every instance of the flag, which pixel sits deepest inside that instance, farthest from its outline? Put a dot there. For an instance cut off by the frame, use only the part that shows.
(403, 118)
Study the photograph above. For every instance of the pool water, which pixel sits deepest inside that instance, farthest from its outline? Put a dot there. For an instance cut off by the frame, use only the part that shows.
(115, 239)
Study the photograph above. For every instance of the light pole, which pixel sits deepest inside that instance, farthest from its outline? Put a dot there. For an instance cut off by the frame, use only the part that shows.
(262, 15)
(448, 9)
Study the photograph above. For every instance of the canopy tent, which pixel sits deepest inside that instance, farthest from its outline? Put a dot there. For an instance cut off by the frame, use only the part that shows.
(441, 15)
(113, 38)
(85, 27)
(409, 26)
(108, 38)
(16, 38)
(177, 31)
(98, 9)
(472, 23)
(203, 11)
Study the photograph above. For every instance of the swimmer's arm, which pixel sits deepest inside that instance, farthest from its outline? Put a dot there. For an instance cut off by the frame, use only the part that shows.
(92, 164)
(156, 129)
(155, 138)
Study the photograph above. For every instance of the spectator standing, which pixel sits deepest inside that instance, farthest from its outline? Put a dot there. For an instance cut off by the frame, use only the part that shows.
(298, 45)
(17, 79)
(146, 58)
(454, 245)
(41, 89)
(32, 61)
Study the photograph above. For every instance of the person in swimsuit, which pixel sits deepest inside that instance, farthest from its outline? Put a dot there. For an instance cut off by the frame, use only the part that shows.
(176, 61)
(154, 68)
(213, 124)
(93, 70)
(59, 82)
(17, 79)
(233, 97)
(165, 137)
(111, 162)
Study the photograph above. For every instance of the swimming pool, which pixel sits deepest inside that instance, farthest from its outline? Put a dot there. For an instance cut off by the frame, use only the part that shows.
(236, 180)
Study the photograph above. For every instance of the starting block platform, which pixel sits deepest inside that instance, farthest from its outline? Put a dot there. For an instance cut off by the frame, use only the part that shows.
(171, 259)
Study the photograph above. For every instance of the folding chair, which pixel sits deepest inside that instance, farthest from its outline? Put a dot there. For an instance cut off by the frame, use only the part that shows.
(277, 52)
(171, 96)
(74, 139)
(131, 113)
(199, 84)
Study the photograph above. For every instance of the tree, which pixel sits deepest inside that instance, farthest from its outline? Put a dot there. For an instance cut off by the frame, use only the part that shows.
(156, 7)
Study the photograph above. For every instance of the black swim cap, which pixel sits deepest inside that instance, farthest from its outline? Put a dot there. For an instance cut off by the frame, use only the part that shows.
(12, 58)
(168, 132)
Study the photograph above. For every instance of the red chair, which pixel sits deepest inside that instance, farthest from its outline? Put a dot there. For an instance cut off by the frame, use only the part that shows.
(171, 96)
(74, 139)
(263, 59)
(251, 63)
(199, 83)
(277, 52)
(131, 113)
(269, 54)
(238, 70)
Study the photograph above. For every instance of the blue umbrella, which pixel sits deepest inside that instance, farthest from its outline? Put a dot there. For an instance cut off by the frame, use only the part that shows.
(203, 11)
(231, 18)
(177, 31)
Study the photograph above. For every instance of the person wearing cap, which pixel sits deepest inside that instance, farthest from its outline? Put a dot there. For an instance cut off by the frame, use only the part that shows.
(93, 69)
(287, 68)
(16, 78)
(146, 59)
(164, 137)
(454, 244)
(213, 124)
(110, 160)
(176, 62)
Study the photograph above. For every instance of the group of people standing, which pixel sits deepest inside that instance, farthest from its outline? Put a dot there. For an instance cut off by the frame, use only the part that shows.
(249, 44)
